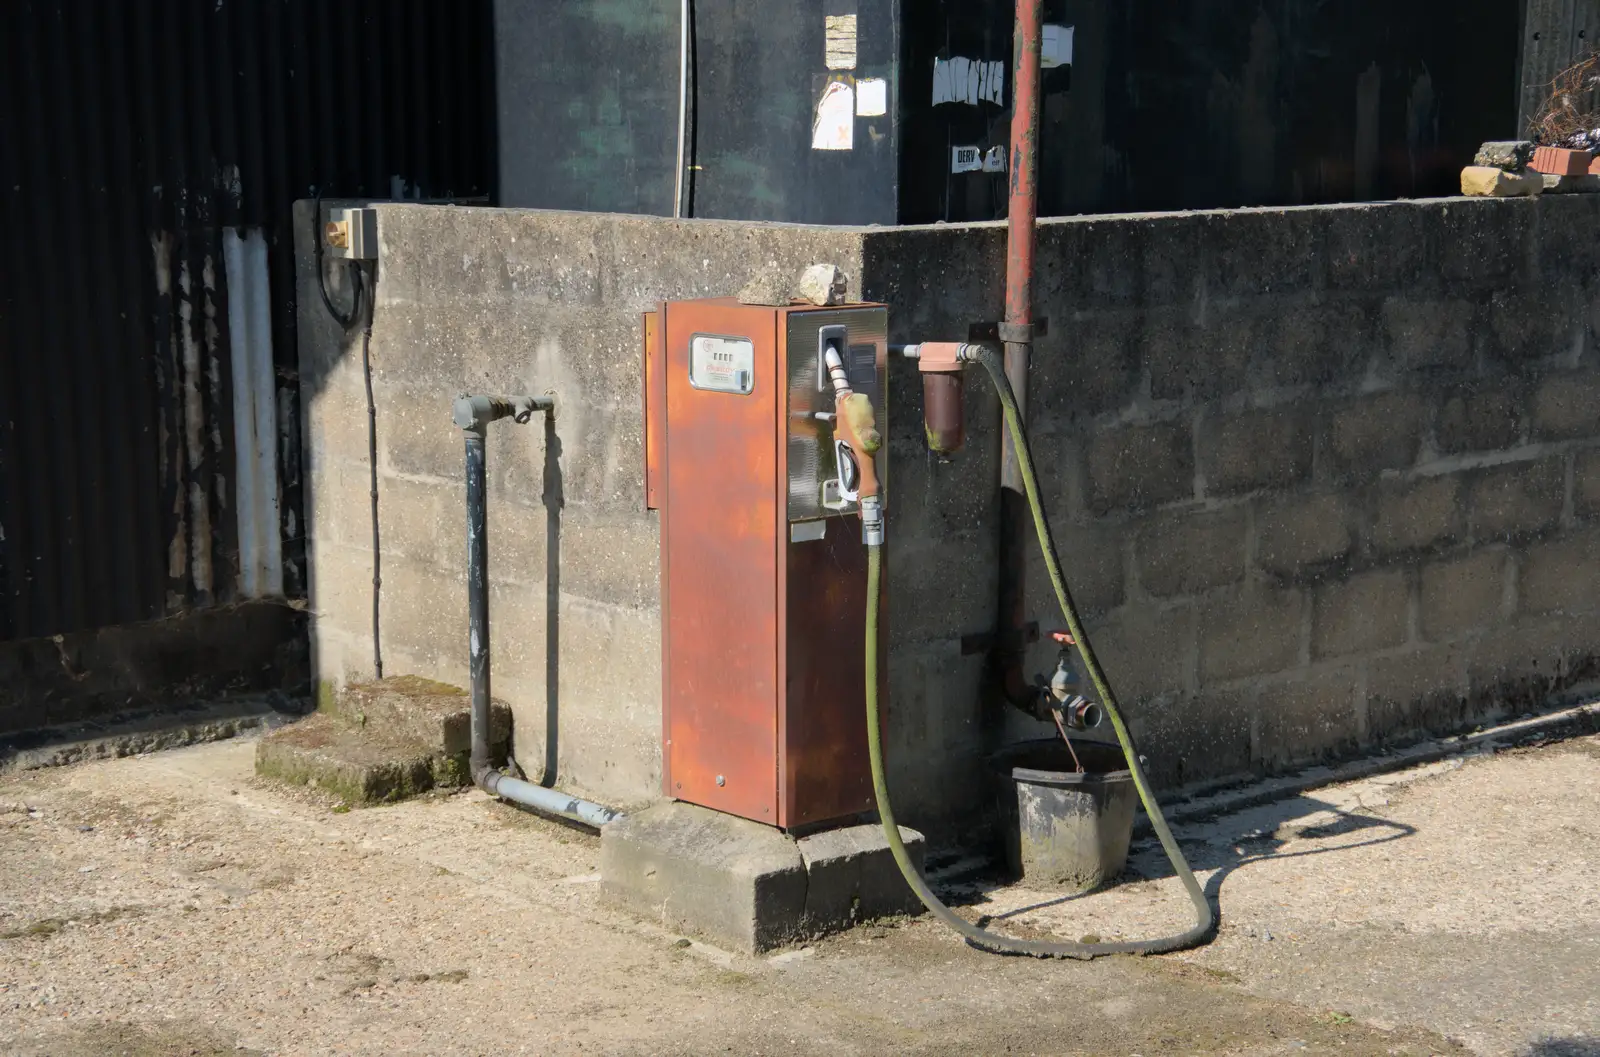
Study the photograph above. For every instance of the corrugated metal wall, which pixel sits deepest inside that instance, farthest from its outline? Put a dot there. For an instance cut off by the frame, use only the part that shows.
(146, 147)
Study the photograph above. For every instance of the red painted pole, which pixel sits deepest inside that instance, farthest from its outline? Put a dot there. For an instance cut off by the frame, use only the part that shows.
(1021, 226)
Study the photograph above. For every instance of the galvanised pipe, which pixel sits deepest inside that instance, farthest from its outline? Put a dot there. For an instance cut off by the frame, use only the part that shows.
(1021, 228)
(473, 415)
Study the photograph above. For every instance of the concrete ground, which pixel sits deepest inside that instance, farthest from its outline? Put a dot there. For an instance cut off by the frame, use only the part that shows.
(175, 904)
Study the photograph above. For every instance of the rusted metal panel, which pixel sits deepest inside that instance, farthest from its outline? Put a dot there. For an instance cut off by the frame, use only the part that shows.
(720, 568)
(143, 140)
(825, 772)
(655, 406)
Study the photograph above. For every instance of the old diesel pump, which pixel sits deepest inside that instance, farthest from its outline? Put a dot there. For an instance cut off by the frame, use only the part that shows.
(762, 454)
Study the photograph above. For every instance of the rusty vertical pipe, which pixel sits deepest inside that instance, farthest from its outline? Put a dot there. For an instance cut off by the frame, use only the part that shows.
(1021, 217)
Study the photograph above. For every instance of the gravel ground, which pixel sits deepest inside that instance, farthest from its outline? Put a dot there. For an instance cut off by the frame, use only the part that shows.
(174, 904)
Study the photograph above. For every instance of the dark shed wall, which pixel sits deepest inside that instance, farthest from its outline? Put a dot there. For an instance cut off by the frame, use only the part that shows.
(587, 98)
(136, 135)
(588, 104)
(142, 140)
(1201, 104)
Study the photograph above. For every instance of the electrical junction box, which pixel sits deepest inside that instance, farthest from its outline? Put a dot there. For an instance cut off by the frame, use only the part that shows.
(763, 573)
(352, 234)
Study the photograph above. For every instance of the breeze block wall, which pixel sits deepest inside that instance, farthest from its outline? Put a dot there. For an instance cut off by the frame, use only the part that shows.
(1323, 478)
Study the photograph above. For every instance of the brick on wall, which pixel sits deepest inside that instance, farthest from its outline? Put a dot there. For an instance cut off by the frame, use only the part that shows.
(1463, 595)
(1423, 689)
(1186, 357)
(1255, 449)
(1429, 333)
(1304, 719)
(1192, 738)
(1375, 433)
(1367, 612)
(1416, 515)
(1566, 406)
(1481, 417)
(1140, 466)
(1312, 344)
(1146, 649)
(1091, 562)
(1517, 499)
(1304, 536)
(1249, 632)
(1561, 575)
(1186, 552)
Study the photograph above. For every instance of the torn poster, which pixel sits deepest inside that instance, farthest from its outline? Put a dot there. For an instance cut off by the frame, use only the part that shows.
(834, 127)
(1056, 49)
(872, 97)
(960, 80)
(839, 34)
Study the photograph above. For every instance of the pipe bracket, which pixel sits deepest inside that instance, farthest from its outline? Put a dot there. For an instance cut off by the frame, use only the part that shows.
(1009, 332)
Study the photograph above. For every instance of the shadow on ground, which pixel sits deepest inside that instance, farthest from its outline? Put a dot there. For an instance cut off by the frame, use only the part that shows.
(1207, 854)
(1564, 1048)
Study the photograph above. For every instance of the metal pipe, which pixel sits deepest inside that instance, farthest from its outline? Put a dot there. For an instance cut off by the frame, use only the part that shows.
(1021, 226)
(683, 107)
(472, 414)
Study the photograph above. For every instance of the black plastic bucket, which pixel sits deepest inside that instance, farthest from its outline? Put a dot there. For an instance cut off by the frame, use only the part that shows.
(1063, 829)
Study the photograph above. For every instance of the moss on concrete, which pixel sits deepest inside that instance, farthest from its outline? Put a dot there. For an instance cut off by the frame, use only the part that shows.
(362, 766)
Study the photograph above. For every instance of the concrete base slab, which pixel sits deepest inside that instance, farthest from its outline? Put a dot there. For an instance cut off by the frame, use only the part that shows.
(437, 714)
(747, 886)
(363, 767)
(383, 741)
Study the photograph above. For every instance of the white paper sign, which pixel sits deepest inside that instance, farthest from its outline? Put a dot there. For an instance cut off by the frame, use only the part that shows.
(966, 159)
(835, 125)
(1057, 47)
(872, 97)
(960, 80)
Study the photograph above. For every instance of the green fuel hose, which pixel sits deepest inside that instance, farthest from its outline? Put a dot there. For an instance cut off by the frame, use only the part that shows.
(1205, 916)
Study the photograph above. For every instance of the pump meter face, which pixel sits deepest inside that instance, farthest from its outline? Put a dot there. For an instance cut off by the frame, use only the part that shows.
(722, 364)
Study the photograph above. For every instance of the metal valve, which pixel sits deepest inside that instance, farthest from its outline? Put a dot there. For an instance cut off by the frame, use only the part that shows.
(1076, 712)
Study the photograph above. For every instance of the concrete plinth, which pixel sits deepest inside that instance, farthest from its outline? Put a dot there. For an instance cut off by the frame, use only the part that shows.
(747, 886)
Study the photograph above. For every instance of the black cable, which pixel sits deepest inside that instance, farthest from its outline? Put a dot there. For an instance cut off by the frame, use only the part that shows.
(344, 320)
(360, 296)
(372, 469)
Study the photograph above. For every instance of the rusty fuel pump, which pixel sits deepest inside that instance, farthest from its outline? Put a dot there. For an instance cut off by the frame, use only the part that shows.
(763, 456)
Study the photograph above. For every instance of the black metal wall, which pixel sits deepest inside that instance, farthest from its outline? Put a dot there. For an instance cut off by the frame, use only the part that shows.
(1203, 104)
(588, 96)
(134, 134)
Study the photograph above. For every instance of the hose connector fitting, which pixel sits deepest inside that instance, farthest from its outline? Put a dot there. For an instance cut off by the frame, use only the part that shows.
(872, 521)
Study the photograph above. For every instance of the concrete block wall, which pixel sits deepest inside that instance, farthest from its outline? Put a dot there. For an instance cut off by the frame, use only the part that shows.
(512, 301)
(1322, 477)
(1325, 478)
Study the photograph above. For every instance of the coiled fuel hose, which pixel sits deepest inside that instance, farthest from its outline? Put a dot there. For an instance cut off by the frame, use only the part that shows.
(1205, 917)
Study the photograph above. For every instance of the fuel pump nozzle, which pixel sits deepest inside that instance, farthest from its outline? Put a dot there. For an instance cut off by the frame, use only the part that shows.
(858, 441)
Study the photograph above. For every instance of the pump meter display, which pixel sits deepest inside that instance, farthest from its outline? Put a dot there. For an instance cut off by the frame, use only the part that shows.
(722, 365)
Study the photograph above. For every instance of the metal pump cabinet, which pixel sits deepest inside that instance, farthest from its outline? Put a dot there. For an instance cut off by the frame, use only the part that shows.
(763, 574)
